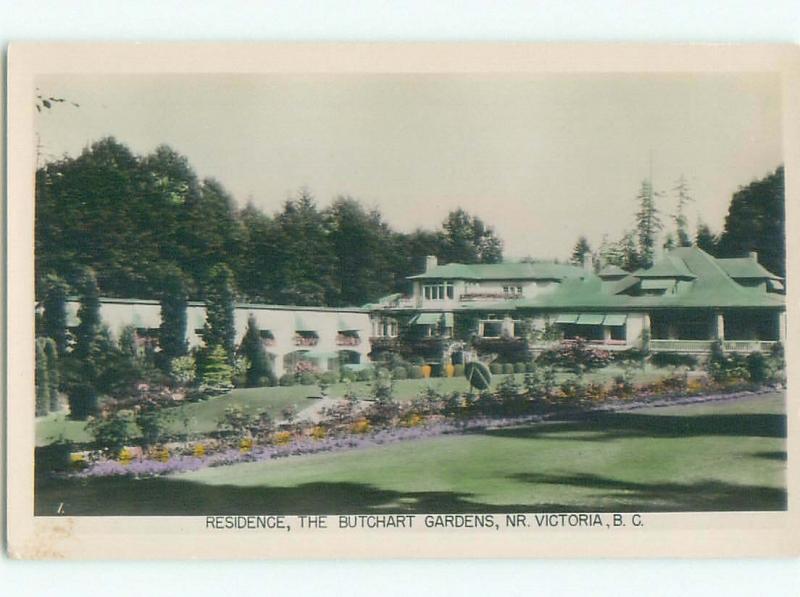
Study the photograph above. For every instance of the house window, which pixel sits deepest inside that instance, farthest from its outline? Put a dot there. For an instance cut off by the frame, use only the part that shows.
(438, 292)
(512, 290)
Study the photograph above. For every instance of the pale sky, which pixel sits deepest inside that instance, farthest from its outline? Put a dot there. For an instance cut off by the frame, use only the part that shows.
(543, 159)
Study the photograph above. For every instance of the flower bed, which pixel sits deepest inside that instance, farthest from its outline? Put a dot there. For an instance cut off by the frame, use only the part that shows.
(362, 435)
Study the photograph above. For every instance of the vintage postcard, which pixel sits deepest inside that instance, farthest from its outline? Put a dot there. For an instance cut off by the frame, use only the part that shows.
(402, 300)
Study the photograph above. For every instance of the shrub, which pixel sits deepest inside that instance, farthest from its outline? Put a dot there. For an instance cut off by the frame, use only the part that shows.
(399, 373)
(508, 368)
(530, 367)
(496, 368)
(361, 426)
(287, 379)
(364, 374)
(182, 370)
(113, 431)
(725, 367)
(42, 378)
(329, 377)
(519, 368)
(576, 355)
(415, 372)
(757, 367)
(347, 375)
(82, 401)
(307, 378)
(671, 359)
(458, 371)
(282, 438)
(217, 373)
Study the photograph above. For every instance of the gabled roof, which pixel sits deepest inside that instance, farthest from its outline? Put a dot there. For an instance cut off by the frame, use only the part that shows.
(742, 268)
(501, 271)
(708, 286)
(669, 266)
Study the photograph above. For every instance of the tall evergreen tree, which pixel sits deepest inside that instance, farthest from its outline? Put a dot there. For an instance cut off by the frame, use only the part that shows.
(580, 251)
(54, 316)
(466, 239)
(174, 301)
(219, 329)
(53, 373)
(705, 239)
(648, 223)
(259, 373)
(88, 315)
(42, 380)
(683, 198)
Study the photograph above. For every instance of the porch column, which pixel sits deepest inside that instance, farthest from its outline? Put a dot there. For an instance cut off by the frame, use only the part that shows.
(782, 327)
(606, 334)
(720, 326)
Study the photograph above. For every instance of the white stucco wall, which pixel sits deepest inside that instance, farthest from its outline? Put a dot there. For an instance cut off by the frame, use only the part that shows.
(281, 321)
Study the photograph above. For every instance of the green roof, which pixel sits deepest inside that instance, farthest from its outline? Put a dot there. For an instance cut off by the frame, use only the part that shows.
(669, 266)
(612, 271)
(501, 271)
(709, 287)
(745, 267)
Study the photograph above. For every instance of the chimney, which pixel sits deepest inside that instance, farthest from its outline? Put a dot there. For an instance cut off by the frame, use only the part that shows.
(754, 256)
(588, 262)
(430, 262)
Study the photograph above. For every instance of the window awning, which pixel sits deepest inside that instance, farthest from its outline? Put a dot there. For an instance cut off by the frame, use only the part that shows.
(591, 319)
(615, 319)
(427, 319)
(567, 318)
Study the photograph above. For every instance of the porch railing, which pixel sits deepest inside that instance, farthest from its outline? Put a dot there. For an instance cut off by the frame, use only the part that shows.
(705, 345)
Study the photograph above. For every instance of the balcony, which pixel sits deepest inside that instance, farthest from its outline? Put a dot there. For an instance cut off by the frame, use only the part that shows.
(703, 346)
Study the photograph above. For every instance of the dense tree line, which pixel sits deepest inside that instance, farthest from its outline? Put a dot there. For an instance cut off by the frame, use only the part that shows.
(141, 221)
(756, 221)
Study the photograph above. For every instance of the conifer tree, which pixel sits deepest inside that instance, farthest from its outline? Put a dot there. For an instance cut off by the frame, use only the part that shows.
(174, 301)
(42, 380)
(648, 223)
(54, 316)
(259, 372)
(219, 330)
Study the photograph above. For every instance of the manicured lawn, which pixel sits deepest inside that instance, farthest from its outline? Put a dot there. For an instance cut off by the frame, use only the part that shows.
(202, 417)
(720, 456)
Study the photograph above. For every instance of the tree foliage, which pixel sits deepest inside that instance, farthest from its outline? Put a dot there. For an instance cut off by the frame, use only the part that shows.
(648, 223)
(258, 373)
(54, 311)
(219, 330)
(756, 221)
(174, 301)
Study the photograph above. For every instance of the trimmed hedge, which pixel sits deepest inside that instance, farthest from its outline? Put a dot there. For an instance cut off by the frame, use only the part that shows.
(287, 379)
(519, 368)
(415, 372)
(496, 368)
(458, 371)
(508, 368)
(307, 379)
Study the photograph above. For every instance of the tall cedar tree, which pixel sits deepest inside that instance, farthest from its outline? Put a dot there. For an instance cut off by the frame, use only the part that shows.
(648, 223)
(219, 330)
(683, 198)
(258, 372)
(172, 333)
(88, 315)
(42, 380)
(53, 372)
(54, 315)
(581, 249)
(705, 239)
(756, 221)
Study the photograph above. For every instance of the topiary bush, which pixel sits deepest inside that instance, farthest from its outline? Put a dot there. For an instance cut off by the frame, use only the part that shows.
(496, 368)
(530, 367)
(399, 373)
(519, 368)
(508, 368)
(415, 372)
(287, 379)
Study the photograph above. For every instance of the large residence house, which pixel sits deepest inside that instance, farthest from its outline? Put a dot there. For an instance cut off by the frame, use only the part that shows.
(456, 312)
(683, 303)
